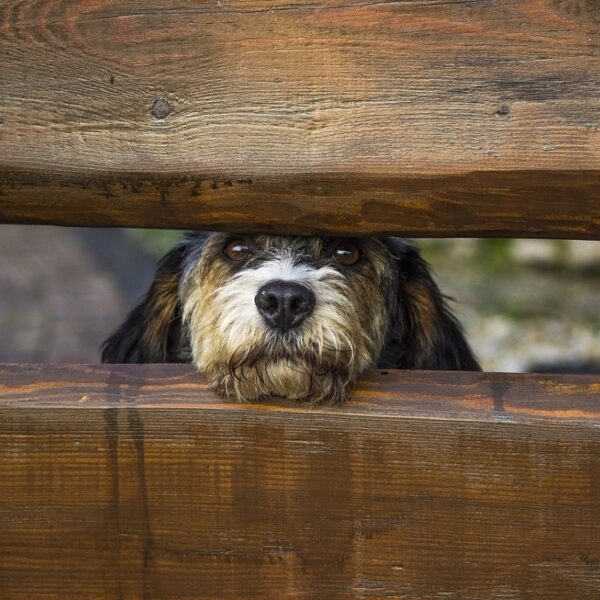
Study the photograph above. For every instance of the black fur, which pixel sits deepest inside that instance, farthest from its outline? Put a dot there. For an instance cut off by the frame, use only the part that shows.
(404, 347)
(152, 332)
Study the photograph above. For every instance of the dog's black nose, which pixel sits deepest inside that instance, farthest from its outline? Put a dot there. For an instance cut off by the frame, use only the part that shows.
(284, 304)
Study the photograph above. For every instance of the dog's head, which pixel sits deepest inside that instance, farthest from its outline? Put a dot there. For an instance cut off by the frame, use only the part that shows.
(297, 317)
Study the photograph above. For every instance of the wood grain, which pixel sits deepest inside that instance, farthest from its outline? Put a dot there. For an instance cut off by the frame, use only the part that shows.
(135, 482)
(419, 117)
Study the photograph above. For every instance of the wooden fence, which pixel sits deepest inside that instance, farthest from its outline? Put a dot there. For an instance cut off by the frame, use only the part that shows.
(413, 117)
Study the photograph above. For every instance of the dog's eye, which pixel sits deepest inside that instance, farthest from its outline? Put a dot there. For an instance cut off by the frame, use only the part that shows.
(237, 250)
(346, 254)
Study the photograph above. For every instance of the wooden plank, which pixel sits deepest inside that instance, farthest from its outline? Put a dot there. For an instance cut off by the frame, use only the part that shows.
(135, 482)
(420, 117)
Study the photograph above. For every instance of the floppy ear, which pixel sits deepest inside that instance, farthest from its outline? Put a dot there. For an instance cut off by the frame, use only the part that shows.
(152, 331)
(424, 334)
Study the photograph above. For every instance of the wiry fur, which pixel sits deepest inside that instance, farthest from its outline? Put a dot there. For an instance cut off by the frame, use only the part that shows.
(385, 311)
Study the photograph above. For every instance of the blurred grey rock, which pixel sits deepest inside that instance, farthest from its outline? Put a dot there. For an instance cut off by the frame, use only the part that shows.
(64, 290)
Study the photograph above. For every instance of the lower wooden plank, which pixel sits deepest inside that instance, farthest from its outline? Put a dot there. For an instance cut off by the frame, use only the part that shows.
(135, 482)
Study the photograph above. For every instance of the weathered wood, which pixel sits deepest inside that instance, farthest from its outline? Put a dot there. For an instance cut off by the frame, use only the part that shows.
(421, 117)
(135, 482)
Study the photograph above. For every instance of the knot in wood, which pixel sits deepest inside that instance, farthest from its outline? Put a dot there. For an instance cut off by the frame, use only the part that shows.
(161, 108)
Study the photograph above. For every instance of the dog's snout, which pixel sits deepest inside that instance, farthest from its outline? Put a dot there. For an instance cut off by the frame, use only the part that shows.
(284, 304)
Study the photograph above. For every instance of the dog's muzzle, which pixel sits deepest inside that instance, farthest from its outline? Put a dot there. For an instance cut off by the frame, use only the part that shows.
(284, 304)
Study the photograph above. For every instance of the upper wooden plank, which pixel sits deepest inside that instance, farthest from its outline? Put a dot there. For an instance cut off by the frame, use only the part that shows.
(419, 117)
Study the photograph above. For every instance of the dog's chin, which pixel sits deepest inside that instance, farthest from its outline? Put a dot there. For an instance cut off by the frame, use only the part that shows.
(304, 381)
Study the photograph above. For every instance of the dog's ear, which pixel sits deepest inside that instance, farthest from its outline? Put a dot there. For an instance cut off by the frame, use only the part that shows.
(424, 334)
(152, 331)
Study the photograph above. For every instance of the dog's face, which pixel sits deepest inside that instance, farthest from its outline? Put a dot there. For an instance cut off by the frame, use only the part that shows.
(286, 316)
(280, 316)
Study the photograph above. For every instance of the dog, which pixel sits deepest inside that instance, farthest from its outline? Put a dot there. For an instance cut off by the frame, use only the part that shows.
(266, 316)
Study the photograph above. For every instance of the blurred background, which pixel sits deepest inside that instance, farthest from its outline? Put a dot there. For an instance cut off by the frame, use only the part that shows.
(525, 304)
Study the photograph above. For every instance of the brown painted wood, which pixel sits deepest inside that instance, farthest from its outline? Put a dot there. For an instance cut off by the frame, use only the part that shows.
(421, 117)
(135, 482)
